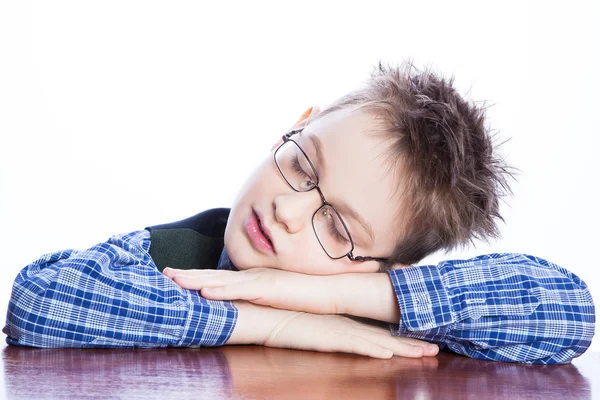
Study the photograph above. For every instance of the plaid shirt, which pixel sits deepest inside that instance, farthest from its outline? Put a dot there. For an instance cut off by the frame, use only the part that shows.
(503, 307)
(111, 295)
(506, 307)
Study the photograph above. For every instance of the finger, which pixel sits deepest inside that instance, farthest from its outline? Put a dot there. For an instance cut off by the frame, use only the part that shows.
(196, 272)
(396, 344)
(235, 291)
(169, 272)
(432, 351)
(429, 349)
(194, 283)
(358, 345)
(403, 349)
(200, 282)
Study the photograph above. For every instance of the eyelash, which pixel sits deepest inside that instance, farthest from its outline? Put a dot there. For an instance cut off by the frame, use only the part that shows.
(298, 167)
(338, 236)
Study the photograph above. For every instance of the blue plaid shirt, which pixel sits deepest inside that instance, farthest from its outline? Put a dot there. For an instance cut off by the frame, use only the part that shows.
(506, 307)
(503, 307)
(111, 295)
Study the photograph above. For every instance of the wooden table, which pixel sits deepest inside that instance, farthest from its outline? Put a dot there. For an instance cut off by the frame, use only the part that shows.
(258, 372)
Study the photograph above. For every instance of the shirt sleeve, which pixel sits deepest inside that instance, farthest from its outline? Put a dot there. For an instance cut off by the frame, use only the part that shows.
(503, 307)
(111, 295)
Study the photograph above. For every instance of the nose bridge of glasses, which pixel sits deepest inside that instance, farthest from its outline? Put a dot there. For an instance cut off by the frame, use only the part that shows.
(318, 189)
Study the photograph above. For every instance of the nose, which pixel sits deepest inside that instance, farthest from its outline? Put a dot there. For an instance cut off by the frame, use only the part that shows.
(295, 210)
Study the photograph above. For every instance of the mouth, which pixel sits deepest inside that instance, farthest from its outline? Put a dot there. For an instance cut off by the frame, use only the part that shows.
(258, 234)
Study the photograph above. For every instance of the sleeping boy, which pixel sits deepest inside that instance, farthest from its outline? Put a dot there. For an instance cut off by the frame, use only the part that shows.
(328, 227)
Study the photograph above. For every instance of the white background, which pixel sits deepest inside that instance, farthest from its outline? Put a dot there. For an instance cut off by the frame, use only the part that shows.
(116, 115)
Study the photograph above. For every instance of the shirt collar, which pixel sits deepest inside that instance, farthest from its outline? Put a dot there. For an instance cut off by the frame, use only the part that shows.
(225, 262)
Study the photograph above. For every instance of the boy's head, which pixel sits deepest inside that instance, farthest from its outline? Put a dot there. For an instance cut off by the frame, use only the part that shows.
(406, 163)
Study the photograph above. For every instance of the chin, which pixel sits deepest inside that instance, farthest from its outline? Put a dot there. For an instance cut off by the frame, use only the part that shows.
(238, 249)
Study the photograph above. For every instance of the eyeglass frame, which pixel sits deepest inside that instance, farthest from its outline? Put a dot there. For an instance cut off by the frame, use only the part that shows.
(287, 138)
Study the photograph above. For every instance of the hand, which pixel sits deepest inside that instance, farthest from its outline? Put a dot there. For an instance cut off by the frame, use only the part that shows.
(263, 286)
(334, 333)
(369, 295)
(324, 333)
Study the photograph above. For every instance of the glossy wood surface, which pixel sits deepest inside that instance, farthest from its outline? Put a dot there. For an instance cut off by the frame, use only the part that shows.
(249, 372)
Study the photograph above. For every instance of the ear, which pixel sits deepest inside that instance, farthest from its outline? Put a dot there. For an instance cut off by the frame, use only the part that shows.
(304, 120)
(306, 117)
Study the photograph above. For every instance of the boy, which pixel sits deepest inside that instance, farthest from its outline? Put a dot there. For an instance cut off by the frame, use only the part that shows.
(385, 176)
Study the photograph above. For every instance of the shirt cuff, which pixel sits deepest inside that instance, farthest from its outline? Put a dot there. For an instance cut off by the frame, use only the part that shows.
(209, 323)
(423, 300)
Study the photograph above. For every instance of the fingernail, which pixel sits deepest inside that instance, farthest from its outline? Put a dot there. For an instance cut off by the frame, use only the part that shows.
(432, 348)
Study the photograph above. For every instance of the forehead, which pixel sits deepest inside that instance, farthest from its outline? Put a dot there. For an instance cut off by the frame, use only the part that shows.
(358, 167)
(352, 142)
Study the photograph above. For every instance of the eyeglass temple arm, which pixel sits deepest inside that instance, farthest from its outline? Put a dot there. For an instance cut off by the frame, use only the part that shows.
(352, 257)
(291, 133)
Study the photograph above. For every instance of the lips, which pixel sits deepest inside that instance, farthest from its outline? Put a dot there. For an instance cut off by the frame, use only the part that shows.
(258, 234)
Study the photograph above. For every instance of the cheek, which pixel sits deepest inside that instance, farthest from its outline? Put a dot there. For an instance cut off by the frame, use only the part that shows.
(310, 260)
(255, 184)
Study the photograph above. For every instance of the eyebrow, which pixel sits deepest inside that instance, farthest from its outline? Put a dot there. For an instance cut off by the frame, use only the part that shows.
(346, 209)
(342, 206)
(318, 148)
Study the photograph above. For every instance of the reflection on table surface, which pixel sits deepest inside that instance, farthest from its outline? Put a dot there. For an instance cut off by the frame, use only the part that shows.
(259, 372)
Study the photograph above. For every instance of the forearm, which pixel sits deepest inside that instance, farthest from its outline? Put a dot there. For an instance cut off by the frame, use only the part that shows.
(368, 295)
(293, 320)
(299, 330)
(255, 323)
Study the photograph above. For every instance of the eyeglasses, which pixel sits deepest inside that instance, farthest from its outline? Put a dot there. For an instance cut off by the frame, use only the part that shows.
(300, 174)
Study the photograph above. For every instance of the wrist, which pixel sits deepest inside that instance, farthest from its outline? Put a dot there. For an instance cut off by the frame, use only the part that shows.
(341, 292)
(255, 323)
(369, 295)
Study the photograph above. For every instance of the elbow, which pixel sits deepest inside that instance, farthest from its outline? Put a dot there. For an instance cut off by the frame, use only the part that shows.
(23, 317)
(566, 322)
(571, 329)
(583, 326)
(28, 307)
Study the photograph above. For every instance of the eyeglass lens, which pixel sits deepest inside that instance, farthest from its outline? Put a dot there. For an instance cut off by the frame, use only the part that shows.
(299, 174)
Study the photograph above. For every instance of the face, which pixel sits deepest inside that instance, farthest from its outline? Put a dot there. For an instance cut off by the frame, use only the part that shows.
(270, 224)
